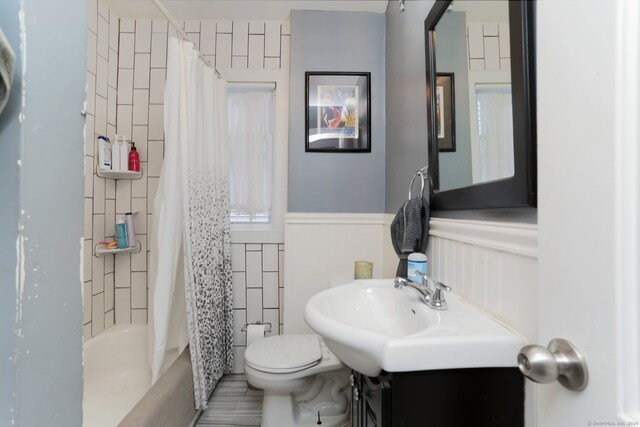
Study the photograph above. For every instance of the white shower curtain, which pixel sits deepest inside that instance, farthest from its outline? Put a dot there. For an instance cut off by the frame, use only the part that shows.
(191, 216)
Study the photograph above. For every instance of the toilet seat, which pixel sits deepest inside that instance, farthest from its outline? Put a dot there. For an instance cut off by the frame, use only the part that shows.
(283, 354)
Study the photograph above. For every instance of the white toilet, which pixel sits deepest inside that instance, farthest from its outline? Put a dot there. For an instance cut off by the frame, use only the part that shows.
(301, 378)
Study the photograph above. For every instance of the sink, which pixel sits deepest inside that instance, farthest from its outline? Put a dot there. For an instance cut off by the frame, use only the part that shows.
(372, 326)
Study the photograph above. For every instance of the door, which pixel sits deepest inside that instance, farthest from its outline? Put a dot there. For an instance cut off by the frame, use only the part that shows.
(588, 214)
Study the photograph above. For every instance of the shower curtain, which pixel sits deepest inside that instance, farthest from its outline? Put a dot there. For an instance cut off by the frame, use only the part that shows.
(192, 219)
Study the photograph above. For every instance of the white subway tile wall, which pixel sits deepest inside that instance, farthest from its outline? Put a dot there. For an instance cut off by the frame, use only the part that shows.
(126, 69)
(259, 300)
(488, 46)
(99, 207)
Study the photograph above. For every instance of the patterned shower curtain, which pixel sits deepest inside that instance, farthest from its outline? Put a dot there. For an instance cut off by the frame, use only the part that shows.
(196, 138)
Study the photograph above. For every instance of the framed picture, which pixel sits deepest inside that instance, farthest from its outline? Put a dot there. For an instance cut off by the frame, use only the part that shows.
(337, 112)
(445, 112)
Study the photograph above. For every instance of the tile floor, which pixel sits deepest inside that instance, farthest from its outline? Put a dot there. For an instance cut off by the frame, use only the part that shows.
(233, 404)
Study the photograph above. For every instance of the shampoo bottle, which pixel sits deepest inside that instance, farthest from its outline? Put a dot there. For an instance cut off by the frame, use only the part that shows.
(121, 233)
(131, 233)
(416, 266)
(124, 155)
(104, 153)
(115, 153)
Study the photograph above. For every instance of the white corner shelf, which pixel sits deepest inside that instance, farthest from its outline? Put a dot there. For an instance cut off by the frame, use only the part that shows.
(101, 250)
(115, 174)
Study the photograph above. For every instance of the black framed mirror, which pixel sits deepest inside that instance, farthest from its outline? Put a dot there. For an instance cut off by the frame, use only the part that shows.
(482, 133)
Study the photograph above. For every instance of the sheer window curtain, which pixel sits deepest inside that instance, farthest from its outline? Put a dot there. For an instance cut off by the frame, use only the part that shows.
(495, 133)
(251, 118)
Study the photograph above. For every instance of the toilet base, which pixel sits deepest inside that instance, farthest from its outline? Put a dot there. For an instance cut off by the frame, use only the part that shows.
(329, 395)
(277, 411)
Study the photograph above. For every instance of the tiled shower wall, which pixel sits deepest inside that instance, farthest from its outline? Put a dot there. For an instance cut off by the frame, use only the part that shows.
(137, 76)
(100, 193)
(258, 292)
(488, 46)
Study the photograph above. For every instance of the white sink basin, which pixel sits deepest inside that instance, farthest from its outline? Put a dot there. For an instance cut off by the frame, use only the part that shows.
(372, 326)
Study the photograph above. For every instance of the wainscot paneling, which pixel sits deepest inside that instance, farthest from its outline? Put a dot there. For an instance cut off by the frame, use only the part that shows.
(493, 265)
(320, 250)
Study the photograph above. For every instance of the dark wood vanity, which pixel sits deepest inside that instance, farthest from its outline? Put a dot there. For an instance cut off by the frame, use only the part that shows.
(441, 398)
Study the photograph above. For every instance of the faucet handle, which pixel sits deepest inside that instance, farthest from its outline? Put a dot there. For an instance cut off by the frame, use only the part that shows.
(437, 298)
(439, 286)
(399, 282)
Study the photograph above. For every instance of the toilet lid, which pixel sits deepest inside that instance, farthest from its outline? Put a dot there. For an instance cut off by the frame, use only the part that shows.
(284, 353)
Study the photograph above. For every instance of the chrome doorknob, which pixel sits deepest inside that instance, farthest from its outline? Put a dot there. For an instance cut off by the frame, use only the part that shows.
(561, 361)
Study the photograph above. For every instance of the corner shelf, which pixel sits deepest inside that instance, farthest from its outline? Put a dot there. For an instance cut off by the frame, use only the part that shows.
(101, 250)
(117, 174)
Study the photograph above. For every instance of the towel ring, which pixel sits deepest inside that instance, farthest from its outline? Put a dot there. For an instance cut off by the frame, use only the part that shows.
(421, 174)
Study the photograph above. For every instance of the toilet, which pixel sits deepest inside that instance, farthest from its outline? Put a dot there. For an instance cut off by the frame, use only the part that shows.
(304, 383)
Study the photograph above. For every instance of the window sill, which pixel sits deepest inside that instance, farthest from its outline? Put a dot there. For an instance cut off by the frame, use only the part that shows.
(256, 234)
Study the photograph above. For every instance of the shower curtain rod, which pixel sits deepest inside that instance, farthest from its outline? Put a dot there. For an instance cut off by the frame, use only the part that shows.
(179, 30)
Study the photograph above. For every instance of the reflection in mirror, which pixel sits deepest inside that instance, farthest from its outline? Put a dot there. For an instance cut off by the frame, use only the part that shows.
(474, 114)
(483, 153)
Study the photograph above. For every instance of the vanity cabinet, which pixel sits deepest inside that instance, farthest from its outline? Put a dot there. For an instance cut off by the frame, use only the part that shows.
(440, 398)
(370, 401)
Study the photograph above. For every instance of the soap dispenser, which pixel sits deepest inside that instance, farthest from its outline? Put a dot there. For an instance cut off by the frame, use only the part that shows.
(134, 158)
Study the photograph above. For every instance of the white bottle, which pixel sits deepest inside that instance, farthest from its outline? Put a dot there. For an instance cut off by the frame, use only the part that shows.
(115, 153)
(131, 233)
(124, 155)
(416, 266)
(104, 153)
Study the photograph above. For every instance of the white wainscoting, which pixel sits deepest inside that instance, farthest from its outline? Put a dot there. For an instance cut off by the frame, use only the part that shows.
(320, 251)
(494, 265)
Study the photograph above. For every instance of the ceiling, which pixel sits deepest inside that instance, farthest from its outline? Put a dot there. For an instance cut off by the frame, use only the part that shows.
(269, 10)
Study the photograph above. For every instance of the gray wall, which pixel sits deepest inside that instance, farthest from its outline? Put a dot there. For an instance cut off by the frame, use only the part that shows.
(41, 368)
(406, 99)
(336, 182)
(406, 111)
(451, 57)
(9, 217)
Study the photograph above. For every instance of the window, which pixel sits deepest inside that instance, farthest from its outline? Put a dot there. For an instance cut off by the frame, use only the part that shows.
(494, 131)
(264, 225)
(251, 116)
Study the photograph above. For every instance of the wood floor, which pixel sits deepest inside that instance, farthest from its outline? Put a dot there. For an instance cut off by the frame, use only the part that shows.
(233, 404)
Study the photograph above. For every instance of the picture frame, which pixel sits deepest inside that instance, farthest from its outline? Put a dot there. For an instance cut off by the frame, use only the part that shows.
(445, 112)
(337, 112)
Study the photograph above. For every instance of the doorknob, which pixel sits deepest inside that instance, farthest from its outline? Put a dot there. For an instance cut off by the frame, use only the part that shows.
(561, 361)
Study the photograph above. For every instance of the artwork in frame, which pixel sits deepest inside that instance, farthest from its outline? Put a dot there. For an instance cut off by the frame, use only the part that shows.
(445, 112)
(338, 106)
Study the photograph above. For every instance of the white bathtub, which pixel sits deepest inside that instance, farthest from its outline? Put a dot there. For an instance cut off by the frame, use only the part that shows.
(116, 374)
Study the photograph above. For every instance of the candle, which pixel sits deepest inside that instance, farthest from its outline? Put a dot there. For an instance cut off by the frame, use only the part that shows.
(363, 270)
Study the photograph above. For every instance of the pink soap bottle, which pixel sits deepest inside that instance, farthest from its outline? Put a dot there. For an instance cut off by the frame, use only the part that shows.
(134, 158)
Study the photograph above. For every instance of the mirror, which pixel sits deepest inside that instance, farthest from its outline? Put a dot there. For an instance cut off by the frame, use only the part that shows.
(481, 103)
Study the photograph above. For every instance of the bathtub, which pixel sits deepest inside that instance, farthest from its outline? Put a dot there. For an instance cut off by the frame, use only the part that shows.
(117, 381)
(116, 374)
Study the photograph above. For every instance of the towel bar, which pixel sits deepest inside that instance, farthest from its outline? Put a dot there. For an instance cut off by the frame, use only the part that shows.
(422, 173)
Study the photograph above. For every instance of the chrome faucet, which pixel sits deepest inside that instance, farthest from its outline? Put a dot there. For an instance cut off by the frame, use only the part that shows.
(430, 291)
